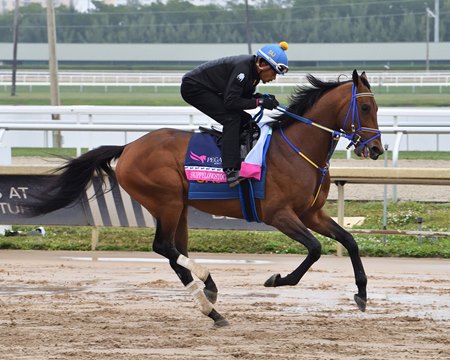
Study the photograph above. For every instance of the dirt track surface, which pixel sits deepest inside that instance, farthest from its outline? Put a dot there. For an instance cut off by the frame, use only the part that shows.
(56, 306)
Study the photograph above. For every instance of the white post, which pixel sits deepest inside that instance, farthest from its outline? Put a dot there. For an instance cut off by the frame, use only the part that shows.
(395, 155)
(5, 155)
(5, 151)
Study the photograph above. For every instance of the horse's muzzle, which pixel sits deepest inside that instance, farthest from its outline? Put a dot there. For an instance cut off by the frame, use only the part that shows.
(373, 150)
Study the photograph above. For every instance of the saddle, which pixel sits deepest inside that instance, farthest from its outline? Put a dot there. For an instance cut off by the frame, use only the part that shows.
(203, 167)
(248, 139)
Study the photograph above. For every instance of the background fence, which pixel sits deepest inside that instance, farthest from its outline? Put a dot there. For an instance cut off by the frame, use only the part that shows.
(91, 126)
(385, 79)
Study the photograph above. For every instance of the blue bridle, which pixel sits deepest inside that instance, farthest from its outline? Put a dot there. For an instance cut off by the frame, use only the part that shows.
(354, 137)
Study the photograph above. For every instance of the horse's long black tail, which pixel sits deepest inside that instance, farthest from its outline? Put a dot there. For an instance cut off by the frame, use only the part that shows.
(73, 178)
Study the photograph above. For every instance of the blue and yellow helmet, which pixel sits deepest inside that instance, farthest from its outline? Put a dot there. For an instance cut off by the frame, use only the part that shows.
(275, 55)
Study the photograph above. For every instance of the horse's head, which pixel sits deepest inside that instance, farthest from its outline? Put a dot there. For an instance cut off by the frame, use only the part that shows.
(353, 107)
(361, 119)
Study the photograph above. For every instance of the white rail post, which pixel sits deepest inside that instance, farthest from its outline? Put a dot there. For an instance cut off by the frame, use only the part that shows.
(395, 155)
(386, 148)
(94, 237)
(5, 151)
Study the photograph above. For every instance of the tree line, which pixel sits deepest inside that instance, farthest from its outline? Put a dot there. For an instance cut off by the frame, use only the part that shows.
(297, 21)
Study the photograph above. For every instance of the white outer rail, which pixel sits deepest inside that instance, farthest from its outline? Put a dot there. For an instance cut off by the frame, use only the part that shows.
(98, 110)
(188, 127)
(159, 116)
(93, 127)
(90, 110)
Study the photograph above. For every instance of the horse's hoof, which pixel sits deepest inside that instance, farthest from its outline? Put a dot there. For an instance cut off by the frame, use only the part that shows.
(360, 302)
(272, 281)
(221, 323)
(210, 295)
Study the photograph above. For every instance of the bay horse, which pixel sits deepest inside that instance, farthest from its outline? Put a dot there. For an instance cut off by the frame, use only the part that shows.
(151, 170)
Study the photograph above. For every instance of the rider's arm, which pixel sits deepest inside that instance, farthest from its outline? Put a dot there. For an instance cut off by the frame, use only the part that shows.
(238, 94)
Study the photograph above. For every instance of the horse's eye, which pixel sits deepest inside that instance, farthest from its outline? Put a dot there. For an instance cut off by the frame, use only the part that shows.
(365, 108)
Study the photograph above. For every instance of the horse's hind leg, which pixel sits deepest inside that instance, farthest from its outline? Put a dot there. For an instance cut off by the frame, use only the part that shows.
(168, 230)
(184, 263)
(325, 225)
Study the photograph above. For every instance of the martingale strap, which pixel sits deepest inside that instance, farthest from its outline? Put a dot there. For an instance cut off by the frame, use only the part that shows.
(353, 137)
(323, 170)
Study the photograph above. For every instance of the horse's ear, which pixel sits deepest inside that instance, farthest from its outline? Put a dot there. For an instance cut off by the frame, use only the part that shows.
(355, 77)
(364, 76)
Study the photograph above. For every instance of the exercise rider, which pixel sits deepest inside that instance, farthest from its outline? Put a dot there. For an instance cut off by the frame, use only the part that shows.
(225, 87)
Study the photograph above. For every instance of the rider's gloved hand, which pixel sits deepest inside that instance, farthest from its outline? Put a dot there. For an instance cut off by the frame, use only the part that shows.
(267, 102)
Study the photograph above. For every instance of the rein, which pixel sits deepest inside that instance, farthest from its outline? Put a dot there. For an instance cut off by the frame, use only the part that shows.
(353, 137)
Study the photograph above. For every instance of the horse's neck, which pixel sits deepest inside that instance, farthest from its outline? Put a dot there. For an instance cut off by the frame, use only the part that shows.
(329, 111)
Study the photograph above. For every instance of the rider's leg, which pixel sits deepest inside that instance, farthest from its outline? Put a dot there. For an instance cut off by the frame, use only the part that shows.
(212, 105)
(230, 142)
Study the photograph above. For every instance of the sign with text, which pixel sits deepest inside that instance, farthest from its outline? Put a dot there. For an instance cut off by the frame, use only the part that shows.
(115, 208)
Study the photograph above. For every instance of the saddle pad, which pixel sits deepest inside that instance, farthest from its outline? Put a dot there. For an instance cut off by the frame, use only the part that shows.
(204, 159)
(203, 166)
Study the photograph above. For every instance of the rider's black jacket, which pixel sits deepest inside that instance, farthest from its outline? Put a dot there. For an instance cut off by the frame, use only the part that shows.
(234, 78)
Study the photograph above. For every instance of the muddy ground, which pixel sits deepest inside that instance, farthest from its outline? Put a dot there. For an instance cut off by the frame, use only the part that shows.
(115, 305)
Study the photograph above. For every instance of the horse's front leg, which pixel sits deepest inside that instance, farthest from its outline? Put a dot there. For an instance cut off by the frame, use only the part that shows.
(288, 223)
(323, 224)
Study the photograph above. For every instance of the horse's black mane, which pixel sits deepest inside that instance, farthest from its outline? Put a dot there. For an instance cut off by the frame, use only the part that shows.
(304, 97)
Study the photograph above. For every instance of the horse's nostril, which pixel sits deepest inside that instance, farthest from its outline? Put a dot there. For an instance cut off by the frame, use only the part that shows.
(376, 150)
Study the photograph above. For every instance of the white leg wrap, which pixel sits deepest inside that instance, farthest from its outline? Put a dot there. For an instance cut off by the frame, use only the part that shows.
(189, 264)
(199, 296)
